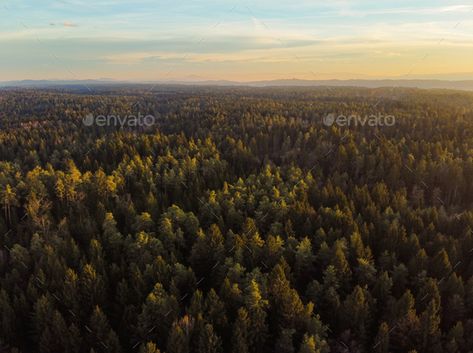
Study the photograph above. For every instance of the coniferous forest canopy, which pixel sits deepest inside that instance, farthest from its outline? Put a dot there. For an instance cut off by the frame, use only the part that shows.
(238, 223)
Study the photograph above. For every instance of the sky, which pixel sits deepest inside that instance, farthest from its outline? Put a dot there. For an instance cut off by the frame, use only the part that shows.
(145, 40)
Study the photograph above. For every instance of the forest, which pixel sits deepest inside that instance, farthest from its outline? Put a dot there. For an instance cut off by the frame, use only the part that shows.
(239, 222)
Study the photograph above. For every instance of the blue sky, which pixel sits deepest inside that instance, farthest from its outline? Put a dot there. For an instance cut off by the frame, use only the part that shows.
(235, 40)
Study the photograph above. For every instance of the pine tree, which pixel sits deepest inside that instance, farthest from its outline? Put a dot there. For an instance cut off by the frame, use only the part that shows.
(8, 319)
(101, 334)
(209, 342)
(340, 262)
(258, 330)
(441, 266)
(304, 261)
(357, 307)
(240, 341)
(308, 345)
(149, 347)
(381, 342)
(9, 200)
(285, 301)
(158, 315)
(284, 343)
(180, 335)
(215, 311)
(207, 253)
(430, 332)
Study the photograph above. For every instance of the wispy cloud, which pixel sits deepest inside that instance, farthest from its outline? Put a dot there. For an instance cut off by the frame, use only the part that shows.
(455, 9)
(69, 24)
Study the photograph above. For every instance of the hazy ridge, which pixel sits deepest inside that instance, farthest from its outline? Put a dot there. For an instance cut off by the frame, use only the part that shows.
(416, 83)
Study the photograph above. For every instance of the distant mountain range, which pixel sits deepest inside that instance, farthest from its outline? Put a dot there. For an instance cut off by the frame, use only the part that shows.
(416, 83)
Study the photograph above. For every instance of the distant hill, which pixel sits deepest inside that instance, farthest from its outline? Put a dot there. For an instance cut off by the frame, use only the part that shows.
(53, 83)
(443, 84)
(416, 83)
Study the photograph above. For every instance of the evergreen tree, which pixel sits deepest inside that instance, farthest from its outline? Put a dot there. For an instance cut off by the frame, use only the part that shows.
(240, 340)
(209, 342)
(308, 345)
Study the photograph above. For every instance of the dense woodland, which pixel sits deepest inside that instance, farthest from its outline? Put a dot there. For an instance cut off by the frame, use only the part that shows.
(239, 223)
